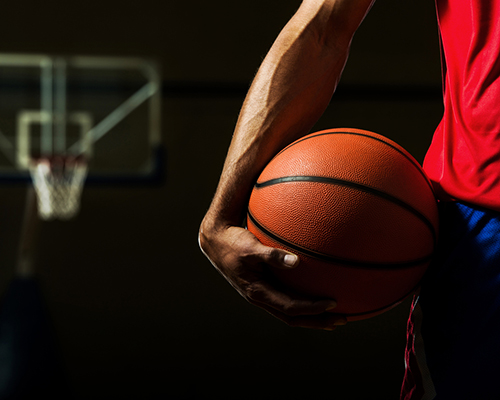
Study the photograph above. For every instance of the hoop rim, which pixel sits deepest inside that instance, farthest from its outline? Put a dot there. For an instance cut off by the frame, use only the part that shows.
(76, 159)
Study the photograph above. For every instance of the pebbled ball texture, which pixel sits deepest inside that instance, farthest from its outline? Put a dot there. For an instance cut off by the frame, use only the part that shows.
(359, 212)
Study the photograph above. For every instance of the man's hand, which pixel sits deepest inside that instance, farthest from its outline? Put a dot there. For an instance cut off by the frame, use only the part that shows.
(244, 262)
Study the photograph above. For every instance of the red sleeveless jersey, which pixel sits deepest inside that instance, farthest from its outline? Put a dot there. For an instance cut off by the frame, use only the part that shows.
(463, 161)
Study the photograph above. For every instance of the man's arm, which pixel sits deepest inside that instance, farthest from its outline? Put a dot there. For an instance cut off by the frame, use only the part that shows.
(291, 90)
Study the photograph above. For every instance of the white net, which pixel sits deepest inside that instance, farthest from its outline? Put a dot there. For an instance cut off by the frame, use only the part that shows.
(58, 184)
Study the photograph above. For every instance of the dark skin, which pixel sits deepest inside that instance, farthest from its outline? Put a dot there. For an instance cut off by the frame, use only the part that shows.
(290, 92)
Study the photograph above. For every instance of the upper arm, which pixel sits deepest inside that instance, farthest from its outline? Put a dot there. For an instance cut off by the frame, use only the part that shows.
(333, 22)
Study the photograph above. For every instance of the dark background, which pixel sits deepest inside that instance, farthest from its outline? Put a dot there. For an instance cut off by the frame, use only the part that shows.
(138, 311)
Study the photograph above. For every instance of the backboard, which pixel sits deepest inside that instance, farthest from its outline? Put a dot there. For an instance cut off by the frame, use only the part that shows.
(104, 108)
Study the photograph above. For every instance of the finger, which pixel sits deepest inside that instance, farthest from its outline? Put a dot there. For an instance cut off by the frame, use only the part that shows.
(325, 321)
(265, 294)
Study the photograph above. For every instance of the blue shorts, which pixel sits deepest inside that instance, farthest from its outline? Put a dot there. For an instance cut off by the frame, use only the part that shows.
(453, 349)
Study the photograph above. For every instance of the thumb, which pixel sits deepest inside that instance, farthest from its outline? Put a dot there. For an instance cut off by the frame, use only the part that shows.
(290, 260)
(280, 258)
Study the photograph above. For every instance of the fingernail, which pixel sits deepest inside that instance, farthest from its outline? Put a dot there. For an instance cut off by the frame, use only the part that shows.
(290, 260)
(340, 322)
(332, 306)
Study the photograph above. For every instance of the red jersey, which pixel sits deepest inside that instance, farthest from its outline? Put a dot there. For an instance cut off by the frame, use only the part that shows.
(463, 161)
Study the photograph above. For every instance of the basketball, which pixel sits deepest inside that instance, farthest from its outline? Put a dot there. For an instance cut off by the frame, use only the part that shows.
(359, 212)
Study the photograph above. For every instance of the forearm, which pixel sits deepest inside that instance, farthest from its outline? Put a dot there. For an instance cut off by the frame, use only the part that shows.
(290, 92)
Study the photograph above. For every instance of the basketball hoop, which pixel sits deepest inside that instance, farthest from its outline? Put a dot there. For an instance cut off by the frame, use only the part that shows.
(58, 183)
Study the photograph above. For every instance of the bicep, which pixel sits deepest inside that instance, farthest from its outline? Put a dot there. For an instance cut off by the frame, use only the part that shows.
(334, 22)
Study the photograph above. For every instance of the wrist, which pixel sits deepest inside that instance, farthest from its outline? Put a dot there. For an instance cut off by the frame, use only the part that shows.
(210, 227)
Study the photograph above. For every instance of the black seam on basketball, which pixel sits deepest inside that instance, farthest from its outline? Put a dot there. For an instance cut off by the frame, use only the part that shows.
(353, 185)
(336, 260)
(415, 163)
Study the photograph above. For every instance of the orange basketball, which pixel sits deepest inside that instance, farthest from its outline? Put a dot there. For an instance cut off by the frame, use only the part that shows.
(358, 211)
